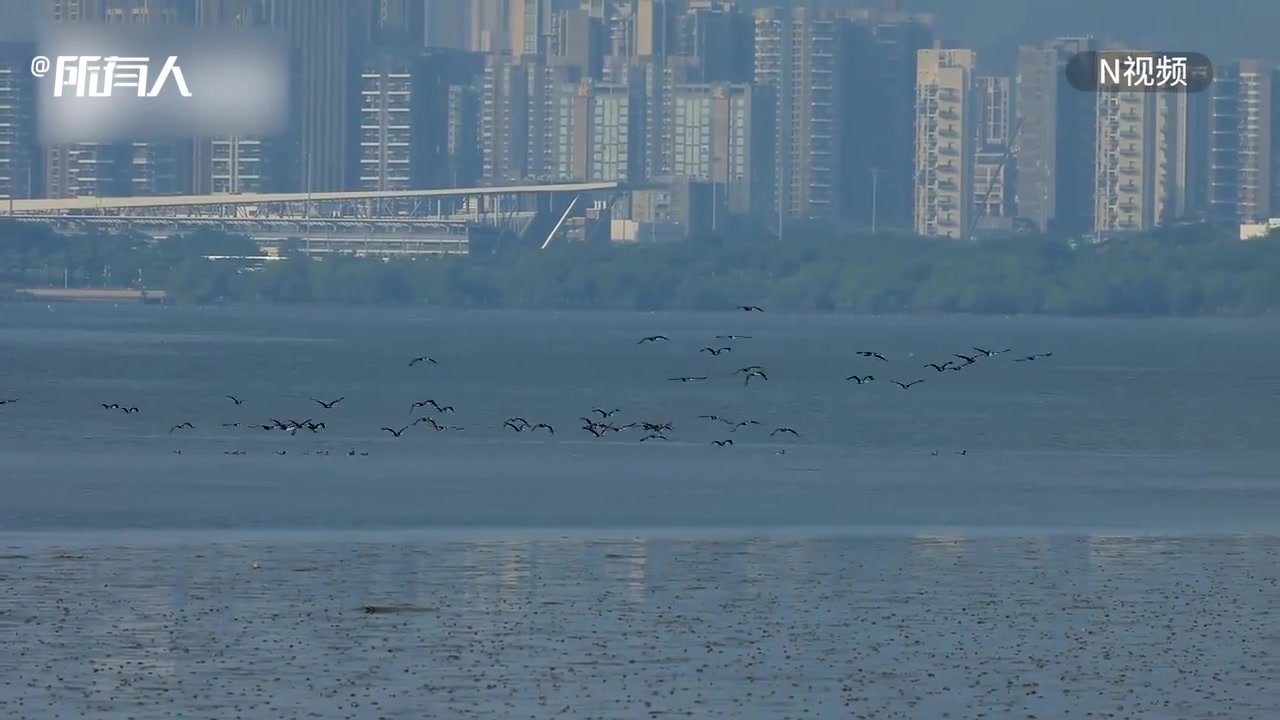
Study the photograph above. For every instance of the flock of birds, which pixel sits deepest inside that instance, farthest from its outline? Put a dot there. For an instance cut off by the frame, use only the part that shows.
(600, 422)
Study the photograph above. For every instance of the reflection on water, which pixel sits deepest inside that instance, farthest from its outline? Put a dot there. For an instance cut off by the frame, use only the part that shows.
(638, 627)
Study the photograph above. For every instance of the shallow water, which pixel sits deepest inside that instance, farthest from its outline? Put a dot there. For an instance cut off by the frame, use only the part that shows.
(1107, 545)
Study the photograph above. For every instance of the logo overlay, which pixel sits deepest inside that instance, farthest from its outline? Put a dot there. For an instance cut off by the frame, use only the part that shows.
(101, 83)
(1112, 71)
(95, 76)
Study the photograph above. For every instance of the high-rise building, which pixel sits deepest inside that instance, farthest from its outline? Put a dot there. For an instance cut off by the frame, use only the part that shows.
(879, 118)
(128, 167)
(993, 166)
(578, 39)
(946, 115)
(530, 27)
(489, 26)
(239, 163)
(1241, 184)
(504, 119)
(798, 55)
(604, 126)
(21, 168)
(448, 24)
(327, 42)
(722, 133)
(723, 40)
(1057, 135)
(1148, 172)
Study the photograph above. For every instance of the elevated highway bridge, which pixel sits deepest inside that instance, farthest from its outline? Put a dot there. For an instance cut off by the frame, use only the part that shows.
(382, 223)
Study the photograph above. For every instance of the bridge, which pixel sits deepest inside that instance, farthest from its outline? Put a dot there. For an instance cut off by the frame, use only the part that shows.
(382, 223)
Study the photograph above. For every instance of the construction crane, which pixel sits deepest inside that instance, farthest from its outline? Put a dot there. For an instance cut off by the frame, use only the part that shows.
(991, 184)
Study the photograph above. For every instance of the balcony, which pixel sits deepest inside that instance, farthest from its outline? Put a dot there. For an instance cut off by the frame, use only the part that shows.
(949, 150)
(1129, 170)
(949, 132)
(948, 169)
(948, 114)
(948, 185)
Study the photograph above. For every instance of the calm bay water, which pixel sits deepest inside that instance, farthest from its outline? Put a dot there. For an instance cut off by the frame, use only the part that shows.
(1106, 544)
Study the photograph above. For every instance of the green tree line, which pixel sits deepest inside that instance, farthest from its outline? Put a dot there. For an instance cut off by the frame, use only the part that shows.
(1183, 271)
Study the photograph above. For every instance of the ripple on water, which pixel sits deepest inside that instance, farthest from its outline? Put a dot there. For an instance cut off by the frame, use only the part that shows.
(858, 626)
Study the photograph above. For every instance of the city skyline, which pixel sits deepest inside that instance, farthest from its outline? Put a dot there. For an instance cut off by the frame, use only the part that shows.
(860, 116)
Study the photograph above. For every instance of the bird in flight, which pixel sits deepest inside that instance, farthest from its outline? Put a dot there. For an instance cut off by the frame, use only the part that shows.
(235, 399)
(722, 443)
(743, 424)
(545, 426)
(870, 354)
(944, 366)
(128, 410)
(990, 353)
(904, 386)
(421, 359)
(112, 406)
(517, 423)
(688, 378)
(604, 414)
(784, 430)
(653, 436)
(862, 379)
(654, 338)
(714, 417)
(399, 432)
(750, 308)
(9, 401)
(594, 430)
(1034, 357)
(733, 337)
(431, 403)
(233, 425)
(328, 405)
(968, 359)
(746, 380)
(179, 427)
(430, 421)
(716, 351)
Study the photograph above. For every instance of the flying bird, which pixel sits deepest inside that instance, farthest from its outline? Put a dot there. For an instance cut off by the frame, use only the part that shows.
(399, 432)
(716, 351)
(545, 426)
(722, 443)
(743, 424)
(593, 430)
(754, 373)
(604, 413)
(861, 380)
(750, 308)
(733, 337)
(423, 358)
(234, 425)
(128, 410)
(328, 405)
(654, 338)
(1034, 357)
(968, 359)
(784, 430)
(688, 378)
(904, 386)
(940, 368)
(990, 353)
(235, 399)
(9, 401)
(112, 406)
(653, 436)
(179, 427)
(870, 354)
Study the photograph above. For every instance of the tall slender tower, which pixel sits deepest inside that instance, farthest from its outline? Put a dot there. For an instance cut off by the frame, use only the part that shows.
(945, 139)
